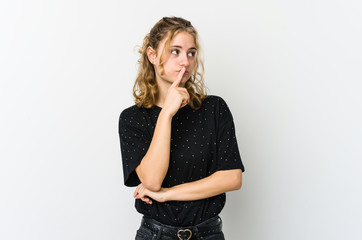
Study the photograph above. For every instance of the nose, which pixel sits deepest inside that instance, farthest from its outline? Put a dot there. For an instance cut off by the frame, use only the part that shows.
(184, 60)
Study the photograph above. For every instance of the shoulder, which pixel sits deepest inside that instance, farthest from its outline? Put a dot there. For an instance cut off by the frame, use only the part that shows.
(214, 101)
(134, 110)
(129, 112)
(136, 116)
(220, 109)
(133, 114)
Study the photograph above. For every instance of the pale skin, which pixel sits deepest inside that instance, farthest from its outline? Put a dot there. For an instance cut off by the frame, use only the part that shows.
(173, 96)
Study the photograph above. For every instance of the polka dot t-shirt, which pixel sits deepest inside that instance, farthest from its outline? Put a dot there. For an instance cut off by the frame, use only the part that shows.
(202, 141)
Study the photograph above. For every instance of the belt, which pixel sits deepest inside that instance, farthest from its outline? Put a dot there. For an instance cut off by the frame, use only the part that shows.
(208, 227)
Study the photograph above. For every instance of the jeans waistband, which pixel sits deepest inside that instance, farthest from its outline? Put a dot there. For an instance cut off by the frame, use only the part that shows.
(208, 227)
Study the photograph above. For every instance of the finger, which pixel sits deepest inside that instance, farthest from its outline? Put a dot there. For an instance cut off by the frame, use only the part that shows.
(143, 195)
(139, 191)
(136, 191)
(184, 92)
(184, 104)
(179, 77)
(146, 200)
(185, 99)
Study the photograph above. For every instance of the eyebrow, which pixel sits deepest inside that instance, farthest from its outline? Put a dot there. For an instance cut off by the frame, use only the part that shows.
(177, 46)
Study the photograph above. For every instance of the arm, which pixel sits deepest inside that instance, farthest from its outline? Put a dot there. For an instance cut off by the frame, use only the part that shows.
(215, 184)
(154, 165)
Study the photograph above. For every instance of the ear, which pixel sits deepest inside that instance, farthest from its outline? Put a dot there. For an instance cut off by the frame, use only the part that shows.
(151, 54)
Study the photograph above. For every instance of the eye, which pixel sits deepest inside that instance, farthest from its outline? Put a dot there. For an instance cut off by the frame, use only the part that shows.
(191, 54)
(175, 51)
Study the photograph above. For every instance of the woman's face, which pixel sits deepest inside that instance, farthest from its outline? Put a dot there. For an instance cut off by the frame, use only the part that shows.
(182, 54)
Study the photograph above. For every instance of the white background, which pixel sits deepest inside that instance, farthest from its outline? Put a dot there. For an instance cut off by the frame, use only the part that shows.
(289, 70)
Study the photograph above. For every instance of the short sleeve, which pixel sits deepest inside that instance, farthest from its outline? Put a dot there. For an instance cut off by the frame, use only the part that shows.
(228, 155)
(134, 143)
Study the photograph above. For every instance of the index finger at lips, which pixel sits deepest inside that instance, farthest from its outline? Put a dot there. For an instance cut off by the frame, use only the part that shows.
(179, 77)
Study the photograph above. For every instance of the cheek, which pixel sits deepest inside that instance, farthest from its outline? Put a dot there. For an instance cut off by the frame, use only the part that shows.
(192, 65)
(168, 68)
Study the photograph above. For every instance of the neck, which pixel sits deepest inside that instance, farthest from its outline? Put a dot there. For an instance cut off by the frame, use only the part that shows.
(162, 93)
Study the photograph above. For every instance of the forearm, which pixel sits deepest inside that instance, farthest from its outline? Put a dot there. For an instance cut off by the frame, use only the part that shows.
(215, 184)
(154, 165)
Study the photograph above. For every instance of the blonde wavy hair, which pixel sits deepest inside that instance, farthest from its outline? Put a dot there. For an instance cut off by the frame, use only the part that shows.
(145, 89)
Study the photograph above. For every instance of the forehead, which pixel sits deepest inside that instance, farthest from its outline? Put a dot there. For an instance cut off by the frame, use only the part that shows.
(182, 39)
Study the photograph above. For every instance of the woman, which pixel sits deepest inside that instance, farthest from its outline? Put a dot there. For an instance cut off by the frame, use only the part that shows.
(178, 145)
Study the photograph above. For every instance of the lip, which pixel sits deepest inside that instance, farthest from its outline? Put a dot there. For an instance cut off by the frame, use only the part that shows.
(185, 73)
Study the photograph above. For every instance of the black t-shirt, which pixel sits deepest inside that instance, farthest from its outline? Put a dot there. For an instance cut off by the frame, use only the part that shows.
(202, 141)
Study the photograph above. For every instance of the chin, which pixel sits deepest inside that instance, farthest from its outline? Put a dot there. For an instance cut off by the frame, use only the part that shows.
(185, 79)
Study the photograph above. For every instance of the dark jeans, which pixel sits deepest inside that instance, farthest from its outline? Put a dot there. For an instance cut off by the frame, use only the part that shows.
(152, 230)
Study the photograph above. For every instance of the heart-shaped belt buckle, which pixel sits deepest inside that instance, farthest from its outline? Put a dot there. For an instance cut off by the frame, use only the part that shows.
(185, 231)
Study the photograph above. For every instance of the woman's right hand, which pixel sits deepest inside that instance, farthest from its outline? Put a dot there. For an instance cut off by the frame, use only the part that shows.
(177, 97)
